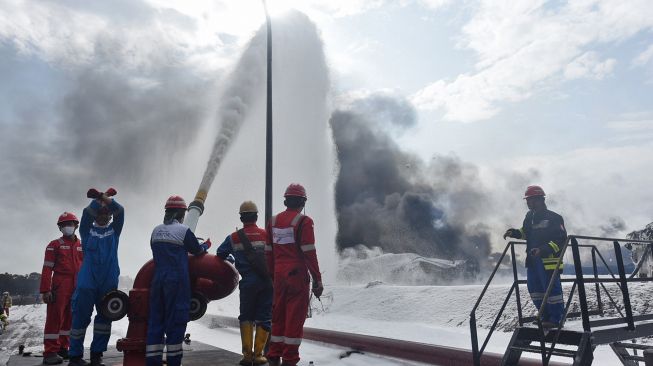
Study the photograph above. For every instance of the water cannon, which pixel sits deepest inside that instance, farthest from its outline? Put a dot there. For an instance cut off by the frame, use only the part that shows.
(195, 209)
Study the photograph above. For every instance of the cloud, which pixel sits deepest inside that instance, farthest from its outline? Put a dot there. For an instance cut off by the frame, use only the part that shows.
(589, 66)
(520, 46)
(644, 57)
(632, 127)
(435, 4)
(127, 34)
(344, 8)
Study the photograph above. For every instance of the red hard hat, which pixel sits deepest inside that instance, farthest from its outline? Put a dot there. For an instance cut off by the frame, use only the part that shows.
(67, 217)
(176, 202)
(295, 189)
(534, 191)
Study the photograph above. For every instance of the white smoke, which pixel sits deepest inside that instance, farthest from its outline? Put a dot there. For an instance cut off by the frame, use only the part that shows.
(303, 147)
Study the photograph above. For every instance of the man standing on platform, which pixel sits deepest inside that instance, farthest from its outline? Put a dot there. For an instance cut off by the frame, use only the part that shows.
(545, 235)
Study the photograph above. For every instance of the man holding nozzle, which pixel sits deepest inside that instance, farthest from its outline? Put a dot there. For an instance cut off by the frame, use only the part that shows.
(63, 258)
(545, 235)
(170, 289)
(247, 246)
(100, 229)
(291, 256)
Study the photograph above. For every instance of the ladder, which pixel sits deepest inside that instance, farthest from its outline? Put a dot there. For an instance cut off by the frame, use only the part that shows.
(523, 338)
(626, 358)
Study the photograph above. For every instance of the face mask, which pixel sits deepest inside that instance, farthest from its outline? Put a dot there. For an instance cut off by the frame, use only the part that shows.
(67, 230)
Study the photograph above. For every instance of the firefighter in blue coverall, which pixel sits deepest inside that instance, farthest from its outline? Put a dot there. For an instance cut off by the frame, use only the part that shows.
(170, 289)
(545, 234)
(98, 274)
(255, 285)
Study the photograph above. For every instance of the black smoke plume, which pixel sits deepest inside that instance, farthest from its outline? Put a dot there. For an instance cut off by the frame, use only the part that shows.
(389, 198)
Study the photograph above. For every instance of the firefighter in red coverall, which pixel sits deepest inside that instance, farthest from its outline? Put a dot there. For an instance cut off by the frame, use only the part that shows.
(291, 255)
(63, 257)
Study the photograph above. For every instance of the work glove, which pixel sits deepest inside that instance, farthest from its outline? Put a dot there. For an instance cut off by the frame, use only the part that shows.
(317, 289)
(206, 245)
(110, 192)
(46, 297)
(93, 193)
(513, 233)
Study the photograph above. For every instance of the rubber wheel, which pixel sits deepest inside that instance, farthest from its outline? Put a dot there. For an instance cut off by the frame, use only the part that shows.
(198, 303)
(114, 305)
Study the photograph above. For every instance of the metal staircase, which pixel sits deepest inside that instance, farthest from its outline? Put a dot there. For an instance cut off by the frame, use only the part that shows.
(524, 337)
(578, 345)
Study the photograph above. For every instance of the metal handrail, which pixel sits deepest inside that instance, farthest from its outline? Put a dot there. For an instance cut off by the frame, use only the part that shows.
(623, 281)
(578, 285)
(476, 352)
(496, 268)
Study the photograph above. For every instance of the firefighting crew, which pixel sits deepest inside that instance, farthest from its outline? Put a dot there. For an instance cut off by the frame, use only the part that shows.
(98, 274)
(170, 288)
(545, 235)
(247, 246)
(63, 258)
(291, 255)
(6, 302)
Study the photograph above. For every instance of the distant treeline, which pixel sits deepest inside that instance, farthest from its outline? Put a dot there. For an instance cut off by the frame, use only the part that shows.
(20, 285)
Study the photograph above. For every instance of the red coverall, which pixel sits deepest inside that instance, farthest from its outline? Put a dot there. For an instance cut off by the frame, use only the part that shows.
(63, 256)
(290, 262)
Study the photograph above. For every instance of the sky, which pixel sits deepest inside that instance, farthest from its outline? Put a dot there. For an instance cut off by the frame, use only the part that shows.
(124, 93)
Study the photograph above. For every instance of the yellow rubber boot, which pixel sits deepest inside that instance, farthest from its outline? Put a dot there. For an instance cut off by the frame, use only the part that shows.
(259, 345)
(247, 338)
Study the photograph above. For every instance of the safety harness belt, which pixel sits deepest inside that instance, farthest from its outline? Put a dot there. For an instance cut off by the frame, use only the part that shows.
(255, 259)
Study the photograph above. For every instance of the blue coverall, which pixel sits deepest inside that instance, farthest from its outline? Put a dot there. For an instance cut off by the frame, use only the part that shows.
(97, 276)
(255, 292)
(170, 291)
(544, 230)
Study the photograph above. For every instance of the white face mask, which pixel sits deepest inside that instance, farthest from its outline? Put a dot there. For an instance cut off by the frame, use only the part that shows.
(67, 230)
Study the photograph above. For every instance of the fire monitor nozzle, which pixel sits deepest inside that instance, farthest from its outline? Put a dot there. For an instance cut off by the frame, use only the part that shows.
(195, 209)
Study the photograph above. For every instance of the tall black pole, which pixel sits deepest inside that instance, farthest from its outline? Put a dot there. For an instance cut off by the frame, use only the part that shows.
(268, 126)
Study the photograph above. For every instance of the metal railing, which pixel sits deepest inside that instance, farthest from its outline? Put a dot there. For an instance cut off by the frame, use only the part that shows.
(578, 284)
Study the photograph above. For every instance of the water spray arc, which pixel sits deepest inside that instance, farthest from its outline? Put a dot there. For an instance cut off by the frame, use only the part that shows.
(235, 104)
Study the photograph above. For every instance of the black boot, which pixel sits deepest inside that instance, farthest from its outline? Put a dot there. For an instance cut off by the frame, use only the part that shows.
(52, 359)
(63, 353)
(274, 361)
(77, 361)
(96, 359)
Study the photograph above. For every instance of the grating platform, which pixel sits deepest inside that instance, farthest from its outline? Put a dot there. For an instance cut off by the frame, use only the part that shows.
(195, 354)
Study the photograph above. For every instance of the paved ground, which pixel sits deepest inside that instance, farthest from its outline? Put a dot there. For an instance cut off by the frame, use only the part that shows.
(195, 354)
